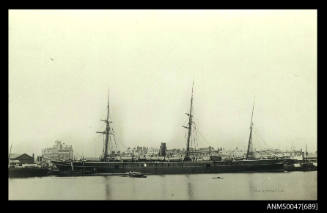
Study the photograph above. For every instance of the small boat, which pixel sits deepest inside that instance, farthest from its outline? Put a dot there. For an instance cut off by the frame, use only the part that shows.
(136, 174)
(217, 178)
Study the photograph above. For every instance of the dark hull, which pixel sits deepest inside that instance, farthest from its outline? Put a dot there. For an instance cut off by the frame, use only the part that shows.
(27, 172)
(93, 168)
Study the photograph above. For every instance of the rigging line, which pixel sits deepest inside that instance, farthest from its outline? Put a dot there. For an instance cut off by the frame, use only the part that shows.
(114, 136)
(115, 146)
(110, 144)
(103, 143)
(196, 137)
(121, 144)
(115, 140)
(193, 141)
(263, 146)
(205, 140)
(260, 137)
(262, 143)
(198, 141)
(198, 131)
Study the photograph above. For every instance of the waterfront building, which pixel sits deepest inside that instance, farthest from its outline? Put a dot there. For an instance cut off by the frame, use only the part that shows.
(60, 151)
(21, 158)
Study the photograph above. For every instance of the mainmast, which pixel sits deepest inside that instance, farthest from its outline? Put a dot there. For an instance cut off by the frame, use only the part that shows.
(189, 127)
(249, 154)
(106, 133)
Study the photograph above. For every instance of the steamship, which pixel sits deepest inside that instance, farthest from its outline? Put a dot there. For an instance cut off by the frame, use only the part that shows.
(187, 165)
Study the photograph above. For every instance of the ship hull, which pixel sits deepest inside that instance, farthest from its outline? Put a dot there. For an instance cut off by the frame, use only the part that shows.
(301, 167)
(27, 172)
(93, 168)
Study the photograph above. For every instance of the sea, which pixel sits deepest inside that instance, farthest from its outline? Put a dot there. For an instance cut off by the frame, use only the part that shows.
(222, 186)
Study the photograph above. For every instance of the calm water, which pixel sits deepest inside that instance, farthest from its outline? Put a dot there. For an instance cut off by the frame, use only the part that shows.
(237, 186)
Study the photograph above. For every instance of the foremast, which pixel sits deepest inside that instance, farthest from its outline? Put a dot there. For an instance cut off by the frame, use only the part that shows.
(107, 134)
(250, 152)
(189, 127)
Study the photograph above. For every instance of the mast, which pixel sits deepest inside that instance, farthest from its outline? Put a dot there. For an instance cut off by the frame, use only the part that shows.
(9, 154)
(187, 156)
(249, 153)
(106, 133)
(306, 153)
(10, 150)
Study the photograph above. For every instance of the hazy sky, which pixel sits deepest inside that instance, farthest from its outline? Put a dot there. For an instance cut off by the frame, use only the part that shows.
(62, 63)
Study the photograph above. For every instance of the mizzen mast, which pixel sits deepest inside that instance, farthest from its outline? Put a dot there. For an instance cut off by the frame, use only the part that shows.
(250, 153)
(189, 127)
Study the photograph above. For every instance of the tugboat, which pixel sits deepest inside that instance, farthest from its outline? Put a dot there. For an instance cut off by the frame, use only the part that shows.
(306, 165)
(301, 165)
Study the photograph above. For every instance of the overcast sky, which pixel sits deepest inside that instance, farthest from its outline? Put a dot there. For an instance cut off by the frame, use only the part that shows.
(62, 63)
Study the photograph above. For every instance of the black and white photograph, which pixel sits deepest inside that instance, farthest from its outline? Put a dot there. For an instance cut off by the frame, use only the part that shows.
(162, 104)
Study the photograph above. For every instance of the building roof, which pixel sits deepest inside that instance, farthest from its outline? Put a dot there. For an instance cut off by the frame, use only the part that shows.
(15, 155)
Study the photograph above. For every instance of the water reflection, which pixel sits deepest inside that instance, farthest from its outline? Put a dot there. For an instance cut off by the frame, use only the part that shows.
(252, 185)
(107, 188)
(189, 187)
(133, 186)
(163, 186)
